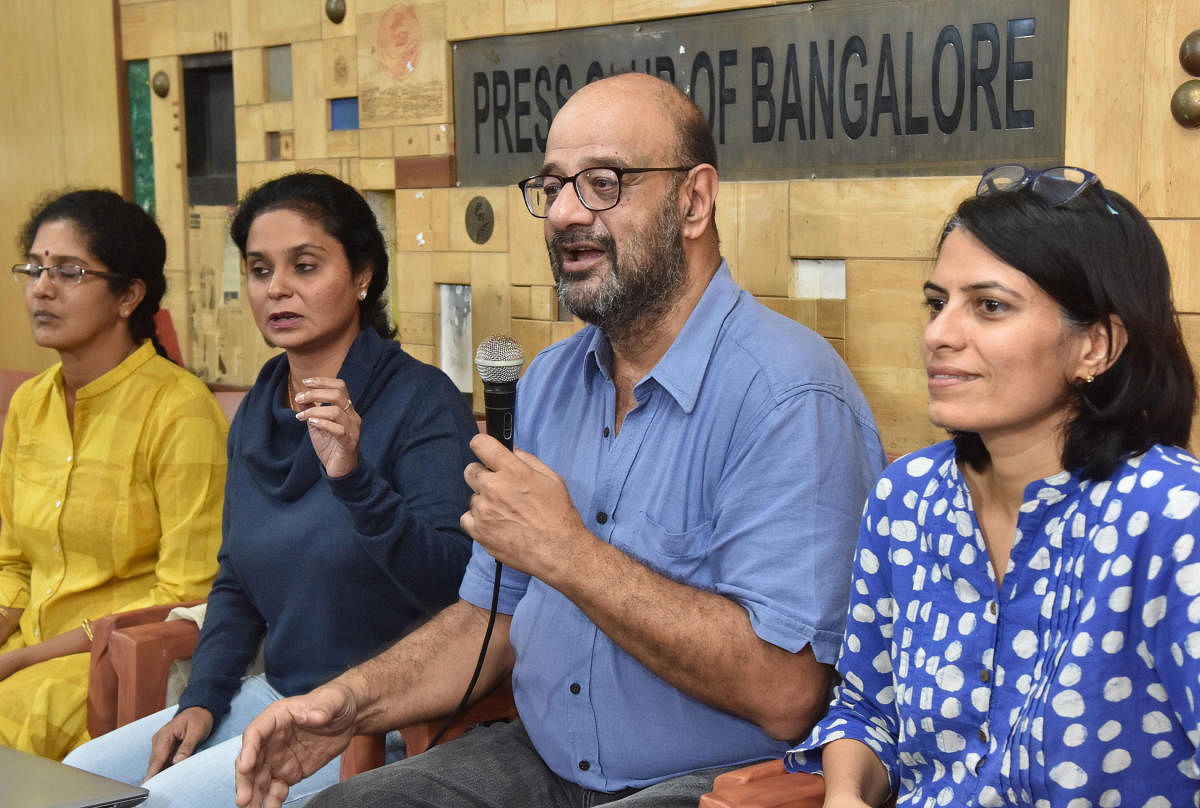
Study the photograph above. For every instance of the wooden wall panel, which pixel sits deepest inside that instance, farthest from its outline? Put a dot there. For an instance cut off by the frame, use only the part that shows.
(1191, 338)
(404, 65)
(202, 26)
(872, 218)
(468, 19)
(170, 161)
(1181, 242)
(311, 112)
(251, 137)
(412, 283)
(522, 16)
(249, 80)
(56, 130)
(1104, 89)
(1169, 164)
(582, 13)
(764, 266)
(884, 321)
(256, 23)
(490, 313)
(340, 67)
(148, 29)
(527, 259)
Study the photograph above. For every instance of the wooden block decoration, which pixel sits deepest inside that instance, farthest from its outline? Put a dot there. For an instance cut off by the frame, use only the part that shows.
(378, 173)
(763, 263)
(175, 300)
(441, 138)
(311, 119)
(1181, 243)
(831, 319)
(899, 217)
(452, 268)
(251, 175)
(413, 288)
(1168, 171)
(342, 143)
(249, 80)
(278, 116)
(425, 172)
(170, 148)
(727, 226)
(534, 336)
(466, 215)
(411, 141)
(543, 303)
(442, 218)
(202, 26)
(416, 328)
(414, 221)
(884, 321)
(489, 303)
(375, 142)
(560, 330)
(527, 259)
(581, 13)
(629, 10)
(255, 23)
(340, 57)
(469, 19)
(404, 65)
(521, 16)
(251, 143)
(280, 146)
(424, 353)
(148, 29)
(803, 311)
(518, 301)
(1108, 77)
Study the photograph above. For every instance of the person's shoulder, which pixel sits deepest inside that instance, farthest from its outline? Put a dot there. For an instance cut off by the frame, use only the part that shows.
(919, 467)
(35, 387)
(1166, 475)
(567, 352)
(787, 353)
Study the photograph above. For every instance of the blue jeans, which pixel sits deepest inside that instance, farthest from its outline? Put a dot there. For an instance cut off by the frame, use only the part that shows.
(204, 780)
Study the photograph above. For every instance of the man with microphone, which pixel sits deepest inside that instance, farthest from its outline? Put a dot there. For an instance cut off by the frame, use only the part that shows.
(676, 525)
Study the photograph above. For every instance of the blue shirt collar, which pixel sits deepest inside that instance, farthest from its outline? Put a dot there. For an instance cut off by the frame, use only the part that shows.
(681, 370)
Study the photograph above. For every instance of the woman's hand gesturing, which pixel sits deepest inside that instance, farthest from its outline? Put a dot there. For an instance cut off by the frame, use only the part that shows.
(333, 423)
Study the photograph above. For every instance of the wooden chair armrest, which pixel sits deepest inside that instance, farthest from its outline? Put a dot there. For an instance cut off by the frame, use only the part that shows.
(367, 752)
(104, 679)
(142, 657)
(765, 785)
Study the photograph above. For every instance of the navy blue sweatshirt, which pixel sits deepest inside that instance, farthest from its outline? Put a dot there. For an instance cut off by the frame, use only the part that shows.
(333, 571)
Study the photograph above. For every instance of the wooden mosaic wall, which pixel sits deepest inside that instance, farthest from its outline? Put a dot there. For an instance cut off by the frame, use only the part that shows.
(394, 58)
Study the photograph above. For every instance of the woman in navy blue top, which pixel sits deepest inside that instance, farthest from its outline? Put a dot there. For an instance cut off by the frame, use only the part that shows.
(345, 488)
(1024, 625)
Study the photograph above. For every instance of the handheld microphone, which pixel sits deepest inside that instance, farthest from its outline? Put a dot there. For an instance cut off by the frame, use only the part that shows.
(499, 360)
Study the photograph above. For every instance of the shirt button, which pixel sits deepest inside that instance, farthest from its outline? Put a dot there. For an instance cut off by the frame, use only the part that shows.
(584, 765)
(601, 517)
(58, 504)
(606, 432)
(983, 736)
(68, 458)
(575, 688)
(985, 676)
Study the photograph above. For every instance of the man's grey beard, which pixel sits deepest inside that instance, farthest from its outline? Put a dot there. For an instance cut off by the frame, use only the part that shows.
(635, 294)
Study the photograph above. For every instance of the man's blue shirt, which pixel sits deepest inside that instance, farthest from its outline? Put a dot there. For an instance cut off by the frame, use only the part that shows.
(741, 470)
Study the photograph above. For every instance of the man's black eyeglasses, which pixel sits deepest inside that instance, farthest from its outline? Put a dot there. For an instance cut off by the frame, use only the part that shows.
(598, 188)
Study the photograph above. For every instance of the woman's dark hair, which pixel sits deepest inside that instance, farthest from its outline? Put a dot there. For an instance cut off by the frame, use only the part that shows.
(344, 214)
(122, 236)
(1096, 265)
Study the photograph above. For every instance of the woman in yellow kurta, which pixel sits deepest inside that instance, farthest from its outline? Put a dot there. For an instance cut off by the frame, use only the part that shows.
(112, 466)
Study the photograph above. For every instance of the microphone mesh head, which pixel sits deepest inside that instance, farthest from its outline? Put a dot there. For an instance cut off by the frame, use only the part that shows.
(499, 359)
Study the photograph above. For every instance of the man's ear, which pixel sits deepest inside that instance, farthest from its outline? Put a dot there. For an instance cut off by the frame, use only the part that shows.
(697, 196)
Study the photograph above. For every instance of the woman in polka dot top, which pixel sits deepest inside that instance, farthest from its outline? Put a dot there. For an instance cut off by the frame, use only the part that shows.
(1024, 624)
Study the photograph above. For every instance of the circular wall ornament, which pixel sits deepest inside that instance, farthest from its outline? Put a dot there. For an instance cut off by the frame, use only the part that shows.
(480, 220)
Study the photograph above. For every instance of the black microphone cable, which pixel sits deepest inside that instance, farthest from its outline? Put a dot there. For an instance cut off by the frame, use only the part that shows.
(498, 360)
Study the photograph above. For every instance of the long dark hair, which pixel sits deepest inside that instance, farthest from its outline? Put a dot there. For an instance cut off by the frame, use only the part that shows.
(1096, 265)
(344, 214)
(123, 237)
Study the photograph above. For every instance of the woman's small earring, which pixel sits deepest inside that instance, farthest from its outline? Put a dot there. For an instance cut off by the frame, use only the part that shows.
(362, 295)
(1089, 379)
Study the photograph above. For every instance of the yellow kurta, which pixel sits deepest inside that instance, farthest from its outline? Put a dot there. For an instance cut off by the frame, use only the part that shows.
(120, 512)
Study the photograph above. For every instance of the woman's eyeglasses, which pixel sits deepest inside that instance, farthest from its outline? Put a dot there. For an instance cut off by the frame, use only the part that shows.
(28, 274)
(1057, 186)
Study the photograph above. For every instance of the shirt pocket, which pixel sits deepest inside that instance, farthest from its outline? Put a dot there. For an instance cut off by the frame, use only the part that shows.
(680, 554)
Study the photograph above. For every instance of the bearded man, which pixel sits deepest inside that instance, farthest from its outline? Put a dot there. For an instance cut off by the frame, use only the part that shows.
(676, 526)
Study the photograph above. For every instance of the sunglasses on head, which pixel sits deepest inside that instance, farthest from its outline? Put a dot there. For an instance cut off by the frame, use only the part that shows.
(1057, 186)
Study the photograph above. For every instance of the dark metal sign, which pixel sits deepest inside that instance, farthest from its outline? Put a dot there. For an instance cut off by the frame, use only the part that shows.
(838, 88)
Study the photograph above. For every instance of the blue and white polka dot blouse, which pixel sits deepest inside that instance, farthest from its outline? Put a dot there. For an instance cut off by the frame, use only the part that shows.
(1074, 685)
